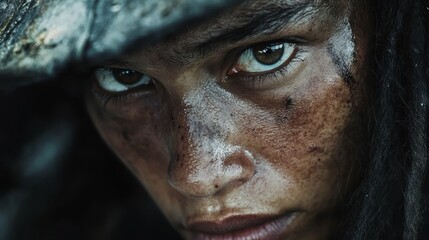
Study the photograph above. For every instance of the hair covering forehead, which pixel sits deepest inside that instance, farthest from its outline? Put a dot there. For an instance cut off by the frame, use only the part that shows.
(39, 38)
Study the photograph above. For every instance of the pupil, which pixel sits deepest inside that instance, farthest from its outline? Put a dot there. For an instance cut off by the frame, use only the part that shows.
(268, 54)
(126, 77)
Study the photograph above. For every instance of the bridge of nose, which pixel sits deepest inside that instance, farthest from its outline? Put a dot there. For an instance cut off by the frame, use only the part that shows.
(206, 159)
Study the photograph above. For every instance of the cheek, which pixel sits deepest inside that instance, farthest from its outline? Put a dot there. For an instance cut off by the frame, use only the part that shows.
(308, 138)
(135, 133)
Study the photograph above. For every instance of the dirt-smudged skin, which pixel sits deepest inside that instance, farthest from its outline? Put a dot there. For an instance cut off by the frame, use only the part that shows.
(210, 148)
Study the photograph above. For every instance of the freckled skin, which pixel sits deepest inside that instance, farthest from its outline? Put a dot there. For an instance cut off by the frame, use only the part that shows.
(206, 150)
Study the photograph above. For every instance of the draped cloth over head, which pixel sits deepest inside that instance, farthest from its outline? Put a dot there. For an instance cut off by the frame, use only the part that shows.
(39, 38)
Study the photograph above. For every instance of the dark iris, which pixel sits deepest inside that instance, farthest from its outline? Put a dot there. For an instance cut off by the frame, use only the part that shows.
(268, 54)
(126, 77)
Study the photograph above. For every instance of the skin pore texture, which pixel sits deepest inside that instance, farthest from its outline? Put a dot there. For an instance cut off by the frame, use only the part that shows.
(228, 154)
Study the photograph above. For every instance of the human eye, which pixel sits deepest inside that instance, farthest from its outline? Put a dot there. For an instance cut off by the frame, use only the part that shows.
(263, 65)
(116, 80)
(121, 85)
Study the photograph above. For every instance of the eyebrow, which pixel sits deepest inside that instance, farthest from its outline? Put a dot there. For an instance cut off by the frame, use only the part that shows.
(267, 20)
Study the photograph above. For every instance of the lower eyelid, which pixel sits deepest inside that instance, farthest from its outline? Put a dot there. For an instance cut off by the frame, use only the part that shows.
(108, 100)
(116, 98)
(270, 79)
(292, 56)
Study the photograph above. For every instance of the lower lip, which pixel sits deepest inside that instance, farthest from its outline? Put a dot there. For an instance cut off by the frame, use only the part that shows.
(267, 231)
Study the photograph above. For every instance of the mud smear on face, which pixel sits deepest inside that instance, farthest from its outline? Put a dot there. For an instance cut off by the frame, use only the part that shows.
(342, 50)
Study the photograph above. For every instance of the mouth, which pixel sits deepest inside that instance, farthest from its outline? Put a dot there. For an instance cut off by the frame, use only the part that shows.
(242, 227)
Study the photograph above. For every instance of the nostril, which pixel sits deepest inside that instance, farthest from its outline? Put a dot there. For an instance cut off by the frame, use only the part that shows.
(192, 188)
(203, 177)
(244, 160)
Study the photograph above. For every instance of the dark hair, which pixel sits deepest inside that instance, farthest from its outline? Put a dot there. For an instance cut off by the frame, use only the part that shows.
(391, 202)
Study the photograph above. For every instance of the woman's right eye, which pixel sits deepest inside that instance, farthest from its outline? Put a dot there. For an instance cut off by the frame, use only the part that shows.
(117, 80)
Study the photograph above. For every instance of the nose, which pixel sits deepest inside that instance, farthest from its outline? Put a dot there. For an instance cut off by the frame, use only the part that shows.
(205, 161)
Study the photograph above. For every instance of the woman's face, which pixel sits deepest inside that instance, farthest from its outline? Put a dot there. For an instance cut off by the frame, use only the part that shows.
(247, 125)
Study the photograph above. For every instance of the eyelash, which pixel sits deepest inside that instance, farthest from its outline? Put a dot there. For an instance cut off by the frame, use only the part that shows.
(275, 76)
(115, 98)
(256, 80)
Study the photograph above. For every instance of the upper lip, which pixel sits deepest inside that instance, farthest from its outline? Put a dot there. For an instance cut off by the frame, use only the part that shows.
(230, 224)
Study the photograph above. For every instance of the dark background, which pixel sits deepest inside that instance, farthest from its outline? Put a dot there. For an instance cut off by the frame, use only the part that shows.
(58, 180)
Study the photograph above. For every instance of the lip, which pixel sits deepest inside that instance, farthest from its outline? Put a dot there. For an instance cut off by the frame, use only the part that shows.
(242, 227)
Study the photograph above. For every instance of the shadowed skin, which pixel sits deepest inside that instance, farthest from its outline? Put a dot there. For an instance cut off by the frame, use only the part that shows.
(208, 144)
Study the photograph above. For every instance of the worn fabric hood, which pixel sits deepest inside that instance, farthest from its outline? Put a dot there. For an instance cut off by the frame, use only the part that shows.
(39, 38)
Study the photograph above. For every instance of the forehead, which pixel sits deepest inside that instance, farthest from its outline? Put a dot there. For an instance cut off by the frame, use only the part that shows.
(249, 20)
(265, 12)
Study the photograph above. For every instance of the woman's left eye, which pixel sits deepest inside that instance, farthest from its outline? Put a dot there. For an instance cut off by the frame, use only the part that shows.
(263, 58)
